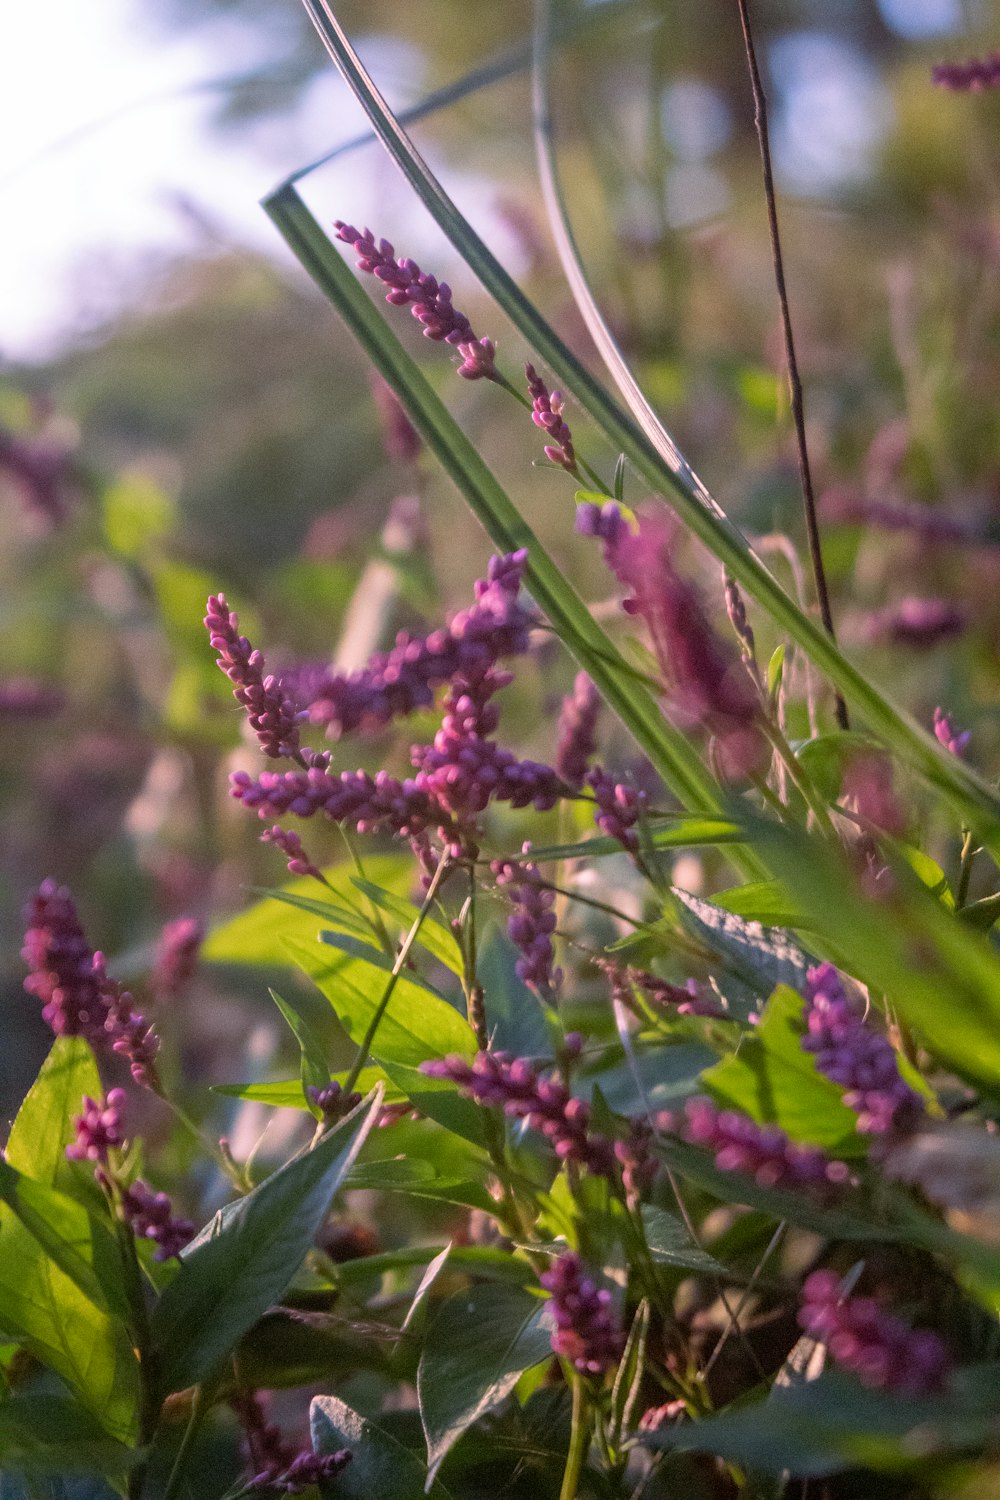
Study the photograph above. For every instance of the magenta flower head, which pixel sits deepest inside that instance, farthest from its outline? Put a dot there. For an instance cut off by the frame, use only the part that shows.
(954, 740)
(855, 1056)
(531, 924)
(875, 1346)
(78, 996)
(271, 713)
(619, 808)
(288, 841)
(605, 522)
(764, 1152)
(99, 1129)
(150, 1216)
(587, 1332)
(918, 622)
(428, 299)
(702, 675)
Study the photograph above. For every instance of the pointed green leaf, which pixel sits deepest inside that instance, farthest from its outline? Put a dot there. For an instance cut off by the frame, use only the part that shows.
(670, 1243)
(380, 1468)
(315, 1064)
(44, 1124)
(228, 1280)
(439, 941)
(475, 1350)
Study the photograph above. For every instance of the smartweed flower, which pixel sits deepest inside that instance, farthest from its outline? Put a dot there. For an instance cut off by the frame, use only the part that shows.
(875, 1346)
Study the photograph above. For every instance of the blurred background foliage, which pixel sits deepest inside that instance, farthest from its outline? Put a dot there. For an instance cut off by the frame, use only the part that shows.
(217, 430)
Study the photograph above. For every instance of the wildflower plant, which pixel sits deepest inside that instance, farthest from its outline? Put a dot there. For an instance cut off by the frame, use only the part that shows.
(655, 1175)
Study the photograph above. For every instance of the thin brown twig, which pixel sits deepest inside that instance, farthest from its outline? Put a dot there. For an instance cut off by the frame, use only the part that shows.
(794, 382)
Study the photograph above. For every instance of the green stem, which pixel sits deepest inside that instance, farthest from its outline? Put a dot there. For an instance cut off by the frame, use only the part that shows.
(579, 1441)
(968, 859)
(397, 969)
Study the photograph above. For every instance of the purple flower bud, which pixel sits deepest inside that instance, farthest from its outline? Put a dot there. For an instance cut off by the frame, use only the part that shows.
(99, 1129)
(954, 740)
(855, 1056)
(512, 1084)
(875, 1346)
(290, 845)
(577, 728)
(547, 413)
(531, 924)
(619, 808)
(271, 713)
(478, 360)
(150, 1216)
(587, 1331)
(763, 1152)
(332, 1102)
(177, 956)
(605, 522)
(305, 1470)
(973, 76)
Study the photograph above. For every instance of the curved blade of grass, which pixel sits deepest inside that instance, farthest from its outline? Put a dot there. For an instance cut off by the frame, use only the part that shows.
(670, 752)
(966, 791)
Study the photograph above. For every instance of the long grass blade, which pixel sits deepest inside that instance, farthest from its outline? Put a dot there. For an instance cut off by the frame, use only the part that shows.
(961, 786)
(671, 753)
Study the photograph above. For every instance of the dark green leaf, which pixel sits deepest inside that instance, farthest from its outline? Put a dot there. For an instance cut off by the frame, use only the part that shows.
(380, 1468)
(50, 1434)
(763, 957)
(671, 1245)
(229, 1279)
(476, 1349)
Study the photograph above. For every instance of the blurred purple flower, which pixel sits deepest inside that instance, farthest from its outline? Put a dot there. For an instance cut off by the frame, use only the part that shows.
(878, 1348)
(428, 299)
(858, 1058)
(974, 76)
(28, 698)
(177, 956)
(547, 413)
(764, 1152)
(848, 507)
(702, 676)
(271, 713)
(42, 471)
(917, 622)
(401, 438)
(954, 740)
(587, 1332)
(577, 730)
(619, 808)
(605, 522)
(868, 783)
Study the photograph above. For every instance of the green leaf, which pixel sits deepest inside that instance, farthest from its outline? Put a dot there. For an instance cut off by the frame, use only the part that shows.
(629, 1375)
(256, 936)
(81, 1246)
(51, 1434)
(762, 957)
(480, 1261)
(40, 1304)
(475, 1350)
(764, 901)
(438, 940)
(824, 758)
(775, 1081)
(288, 1094)
(315, 1067)
(380, 1468)
(680, 833)
(416, 1026)
(775, 670)
(229, 1278)
(670, 1244)
(653, 452)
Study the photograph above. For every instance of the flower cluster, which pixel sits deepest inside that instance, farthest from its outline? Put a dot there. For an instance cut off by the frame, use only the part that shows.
(531, 924)
(702, 675)
(932, 526)
(177, 956)
(401, 681)
(428, 299)
(305, 1470)
(277, 1465)
(547, 413)
(29, 698)
(99, 1129)
(150, 1216)
(856, 1057)
(605, 522)
(953, 739)
(875, 1346)
(683, 1000)
(272, 715)
(974, 76)
(619, 808)
(288, 841)
(78, 996)
(331, 1101)
(764, 1152)
(577, 729)
(495, 1078)
(587, 1332)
